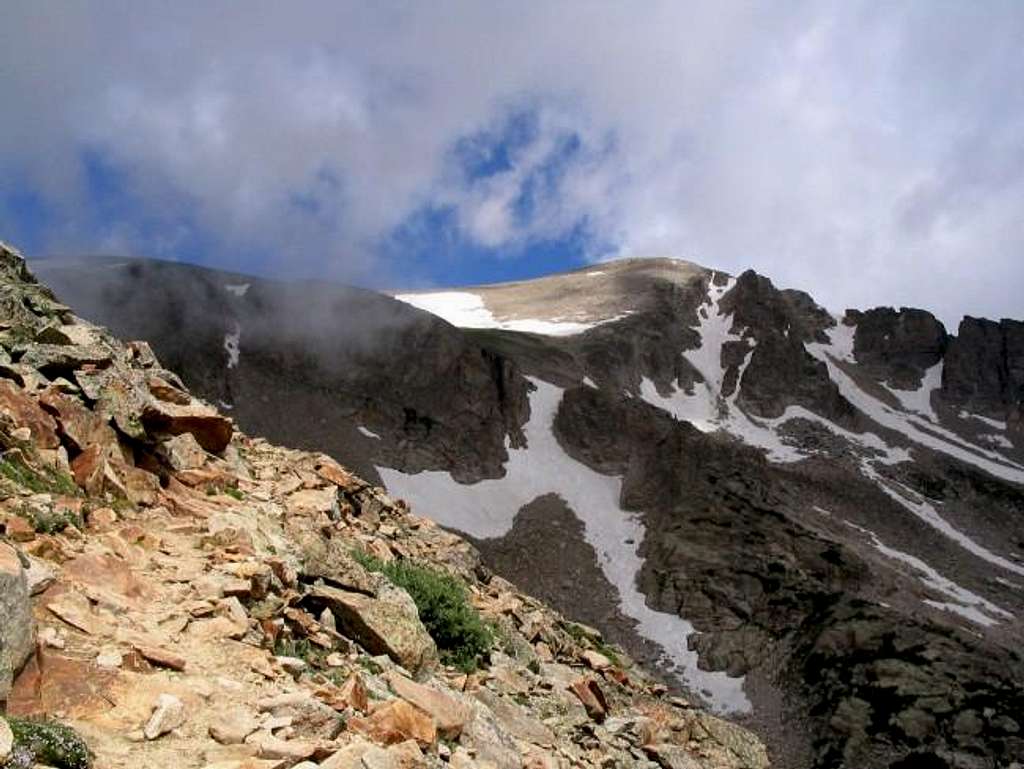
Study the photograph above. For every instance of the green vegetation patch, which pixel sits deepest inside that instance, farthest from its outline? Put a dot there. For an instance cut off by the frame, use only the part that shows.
(53, 521)
(462, 637)
(49, 743)
(40, 481)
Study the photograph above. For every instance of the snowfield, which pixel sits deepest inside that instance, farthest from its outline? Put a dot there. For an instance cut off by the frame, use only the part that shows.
(467, 310)
(965, 603)
(489, 508)
(237, 289)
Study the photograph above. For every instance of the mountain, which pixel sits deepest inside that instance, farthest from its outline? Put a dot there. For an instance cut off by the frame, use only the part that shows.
(814, 521)
(174, 592)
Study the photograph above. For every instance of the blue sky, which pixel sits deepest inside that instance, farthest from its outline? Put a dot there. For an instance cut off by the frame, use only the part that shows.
(868, 153)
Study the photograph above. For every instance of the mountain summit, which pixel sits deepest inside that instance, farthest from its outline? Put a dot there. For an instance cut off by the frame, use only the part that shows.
(812, 520)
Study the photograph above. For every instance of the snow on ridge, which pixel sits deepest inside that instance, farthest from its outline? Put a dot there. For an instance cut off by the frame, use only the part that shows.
(488, 509)
(967, 604)
(708, 411)
(926, 512)
(467, 310)
(918, 430)
(238, 289)
(705, 408)
(367, 432)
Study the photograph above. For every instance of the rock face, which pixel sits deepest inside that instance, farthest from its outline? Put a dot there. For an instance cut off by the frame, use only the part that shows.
(17, 628)
(984, 370)
(816, 517)
(340, 362)
(898, 347)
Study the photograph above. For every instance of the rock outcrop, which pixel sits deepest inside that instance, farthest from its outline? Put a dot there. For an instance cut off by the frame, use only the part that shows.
(897, 347)
(344, 359)
(984, 370)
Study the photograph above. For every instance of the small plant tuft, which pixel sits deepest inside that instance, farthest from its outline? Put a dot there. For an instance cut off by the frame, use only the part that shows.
(48, 521)
(49, 743)
(42, 481)
(231, 491)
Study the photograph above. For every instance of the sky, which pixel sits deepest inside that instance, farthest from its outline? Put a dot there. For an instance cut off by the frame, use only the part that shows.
(868, 152)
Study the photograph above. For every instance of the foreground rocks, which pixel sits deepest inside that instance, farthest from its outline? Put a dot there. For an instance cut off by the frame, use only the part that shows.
(16, 623)
(198, 602)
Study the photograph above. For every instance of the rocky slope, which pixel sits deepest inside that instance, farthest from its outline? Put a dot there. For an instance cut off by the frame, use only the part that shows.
(185, 595)
(814, 521)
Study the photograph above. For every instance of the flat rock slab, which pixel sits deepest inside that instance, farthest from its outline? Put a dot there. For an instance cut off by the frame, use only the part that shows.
(75, 687)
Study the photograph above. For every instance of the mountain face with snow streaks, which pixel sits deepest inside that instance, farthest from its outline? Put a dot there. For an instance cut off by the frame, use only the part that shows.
(813, 520)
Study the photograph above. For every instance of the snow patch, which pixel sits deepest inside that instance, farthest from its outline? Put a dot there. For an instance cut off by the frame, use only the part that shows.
(920, 400)
(488, 509)
(994, 439)
(994, 423)
(708, 411)
(925, 433)
(231, 346)
(368, 433)
(238, 289)
(595, 273)
(698, 409)
(927, 513)
(467, 310)
(966, 603)
(589, 382)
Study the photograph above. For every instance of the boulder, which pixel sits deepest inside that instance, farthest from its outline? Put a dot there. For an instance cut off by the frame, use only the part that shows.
(182, 452)
(396, 722)
(516, 720)
(168, 714)
(17, 628)
(211, 430)
(387, 623)
(449, 714)
(79, 426)
(55, 360)
(589, 693)
(27, 413)
(6, 741)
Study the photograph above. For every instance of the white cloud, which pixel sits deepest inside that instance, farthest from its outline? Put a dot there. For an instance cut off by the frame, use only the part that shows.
(867, 153)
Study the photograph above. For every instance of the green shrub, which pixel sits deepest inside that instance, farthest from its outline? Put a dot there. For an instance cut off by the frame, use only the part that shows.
(43, 481)
(462, 637)
(50, 743)
(53, 521)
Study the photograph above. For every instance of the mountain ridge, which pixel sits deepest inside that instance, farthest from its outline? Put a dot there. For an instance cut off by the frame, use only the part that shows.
(183, 594)
(741, 461)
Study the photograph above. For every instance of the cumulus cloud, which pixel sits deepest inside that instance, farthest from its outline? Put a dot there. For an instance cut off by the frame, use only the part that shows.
(870, 153)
